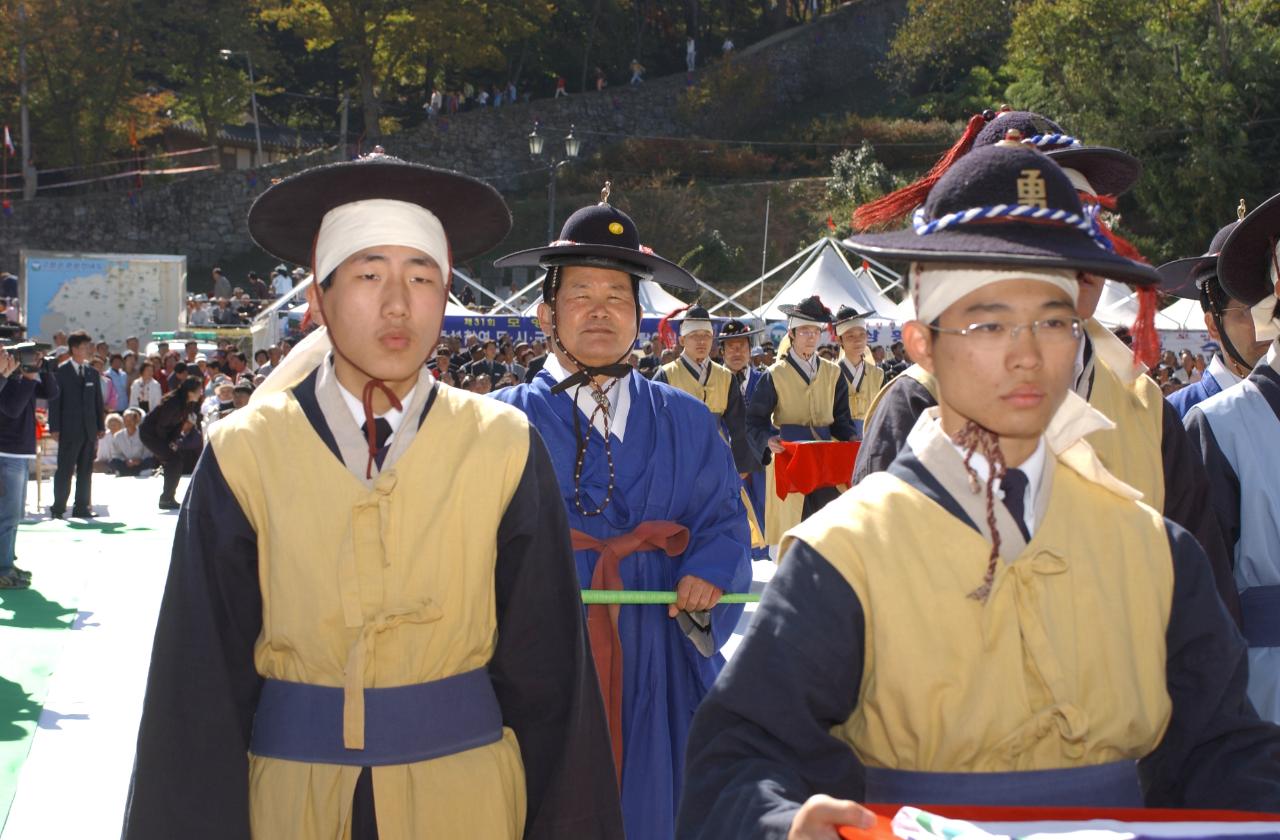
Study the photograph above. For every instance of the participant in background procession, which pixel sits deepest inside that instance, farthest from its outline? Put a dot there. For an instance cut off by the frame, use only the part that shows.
(1148, 449)
(739, 355)
(1236, 432)
(946, 632)
(330, 660)
(708, 382)
(1228, 321)
(652, 495)
(861, 374)
(800, 397)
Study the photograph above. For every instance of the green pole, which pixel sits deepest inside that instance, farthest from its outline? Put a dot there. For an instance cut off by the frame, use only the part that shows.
(630, 596)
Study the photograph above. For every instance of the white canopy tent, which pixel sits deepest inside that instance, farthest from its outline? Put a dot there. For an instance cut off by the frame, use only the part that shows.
(826, 272)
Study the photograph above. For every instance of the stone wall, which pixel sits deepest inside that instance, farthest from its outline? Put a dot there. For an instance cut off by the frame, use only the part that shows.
(203, 216)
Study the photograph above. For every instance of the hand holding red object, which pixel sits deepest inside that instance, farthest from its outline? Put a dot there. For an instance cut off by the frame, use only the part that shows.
(804, 466)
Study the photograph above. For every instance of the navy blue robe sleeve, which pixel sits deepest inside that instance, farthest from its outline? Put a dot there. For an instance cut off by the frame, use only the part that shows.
(191, 773)
(760, 744)
(1187, 502)
(661, 376)
(542, 670)
(1217, 753)
(1224, 484)
(735, 422)
(760, 418)
(885, 433)
(842, 427)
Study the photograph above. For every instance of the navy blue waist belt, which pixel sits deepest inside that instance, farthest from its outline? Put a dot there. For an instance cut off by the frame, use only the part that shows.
(793, 432)
(301, 722)
(1113, 785)
(1260, 610)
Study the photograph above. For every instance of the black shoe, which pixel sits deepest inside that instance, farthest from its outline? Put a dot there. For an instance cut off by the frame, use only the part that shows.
(57, 514)
(169, 504)
(83, 514)
(22, 573)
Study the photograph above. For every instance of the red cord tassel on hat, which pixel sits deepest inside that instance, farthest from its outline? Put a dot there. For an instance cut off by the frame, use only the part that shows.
(895, 206)
(1146, 339)
(666, 333)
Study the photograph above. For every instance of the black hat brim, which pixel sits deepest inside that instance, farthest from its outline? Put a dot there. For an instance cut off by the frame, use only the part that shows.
(790, 309)
(1244, 262)
(1014, 246)
(1109, 171)
(746, 334)
(1178, 278)
(661, 270)
(285, 219)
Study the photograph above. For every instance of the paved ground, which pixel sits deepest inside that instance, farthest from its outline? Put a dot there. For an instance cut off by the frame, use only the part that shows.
(75, 653)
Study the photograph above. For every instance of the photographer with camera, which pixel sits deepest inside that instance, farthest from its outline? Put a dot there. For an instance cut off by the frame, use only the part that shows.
(24, 378)
(167, 432)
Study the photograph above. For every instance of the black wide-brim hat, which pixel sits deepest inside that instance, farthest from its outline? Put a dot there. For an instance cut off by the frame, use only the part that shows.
(602, 235)
(285, 219)
(1109, 171)
(969, 218)
(848, 313)
(1183, 278)
(810, 308)
(1245, 260)
(733, 328)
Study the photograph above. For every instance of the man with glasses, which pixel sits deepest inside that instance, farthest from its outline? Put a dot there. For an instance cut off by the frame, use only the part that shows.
(946, 632)
(801, 397)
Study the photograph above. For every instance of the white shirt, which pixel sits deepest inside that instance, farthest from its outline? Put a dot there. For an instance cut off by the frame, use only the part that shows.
(1221, 374)
(619, 398)
(148, 392)
(393, 415)
(1033, 468)
(281, 285)
(128, 447)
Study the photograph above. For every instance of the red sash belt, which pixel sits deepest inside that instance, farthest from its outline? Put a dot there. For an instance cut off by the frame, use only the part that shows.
(804, 467)
(602, 619)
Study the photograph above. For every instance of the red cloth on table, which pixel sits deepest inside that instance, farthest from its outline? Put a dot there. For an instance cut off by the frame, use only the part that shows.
(804, 466)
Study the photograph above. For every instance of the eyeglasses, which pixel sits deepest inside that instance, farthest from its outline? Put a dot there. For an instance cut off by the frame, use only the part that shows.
(999, 333)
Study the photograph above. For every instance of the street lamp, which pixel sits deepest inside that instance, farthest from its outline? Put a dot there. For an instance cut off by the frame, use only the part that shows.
(253, 100)
(572, 145)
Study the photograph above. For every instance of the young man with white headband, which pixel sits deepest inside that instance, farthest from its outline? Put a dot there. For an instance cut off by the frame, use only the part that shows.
(710, 383)
(1236, 432)
(331, 661)
(945, 632)
(801, 397)
(1147, 448)
(858, 369)
(1228, 321)
(653, 499)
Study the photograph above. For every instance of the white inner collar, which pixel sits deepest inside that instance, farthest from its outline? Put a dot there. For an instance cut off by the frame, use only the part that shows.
(619, 398)
(393, 415)
(1033, 468)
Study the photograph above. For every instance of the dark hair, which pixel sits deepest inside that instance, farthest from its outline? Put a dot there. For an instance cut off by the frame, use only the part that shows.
(77, 338)
(147, 364)
(115, 356)
(189, 384)
(180, 367)
(261, 353)
(190, 342)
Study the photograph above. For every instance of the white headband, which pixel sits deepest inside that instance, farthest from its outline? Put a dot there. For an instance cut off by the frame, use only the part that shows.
(1266, 326)
(1081, 183)
(357, 225)
(794, 321)
(693, 325)
(844, 326)
(935, 286)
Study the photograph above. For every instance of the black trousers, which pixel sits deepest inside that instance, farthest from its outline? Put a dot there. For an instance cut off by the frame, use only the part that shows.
(75, 455)
(364, 822)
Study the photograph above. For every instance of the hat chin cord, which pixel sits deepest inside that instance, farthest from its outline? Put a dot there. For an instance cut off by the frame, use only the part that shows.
(366, 397)
(1216, 311)
(586, 376)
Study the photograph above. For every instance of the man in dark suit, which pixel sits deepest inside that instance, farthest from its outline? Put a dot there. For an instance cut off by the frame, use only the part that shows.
(76, 423)
(488, 364)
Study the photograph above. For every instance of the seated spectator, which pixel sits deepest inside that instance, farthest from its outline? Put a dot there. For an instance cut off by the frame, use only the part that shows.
(260, 359)
(145, 393)
(241, 392)
(199, 315)
(481, 384)
(221, 403)
(106, 454)
(130, 456)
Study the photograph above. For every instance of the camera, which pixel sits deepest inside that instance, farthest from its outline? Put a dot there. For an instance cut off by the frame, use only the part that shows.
(32, 356)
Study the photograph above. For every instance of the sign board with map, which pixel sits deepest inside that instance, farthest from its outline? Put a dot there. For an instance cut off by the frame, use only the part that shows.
(110, 296)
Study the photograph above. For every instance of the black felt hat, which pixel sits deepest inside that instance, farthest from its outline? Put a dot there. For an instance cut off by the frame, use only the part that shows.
(848, 313)
(1109, 171)
(1006, 205)
(733, 328)
(1183, 278)
(1245, 261)
(602, 235)
(696, 312)
(285, 219)
(811, 308)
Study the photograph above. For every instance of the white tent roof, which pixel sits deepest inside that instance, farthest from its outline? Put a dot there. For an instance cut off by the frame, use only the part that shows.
(655, 301)
(1185, 315)
(827, 274)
